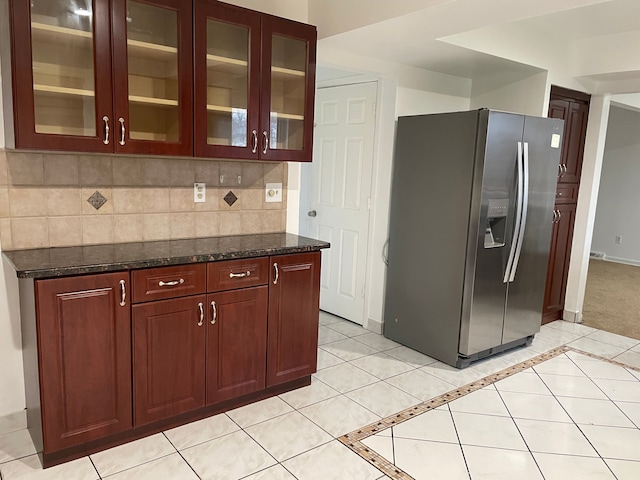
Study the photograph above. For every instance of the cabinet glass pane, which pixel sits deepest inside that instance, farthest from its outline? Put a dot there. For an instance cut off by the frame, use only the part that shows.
(152, 54)
(288, 85)
(63, 67)
(227, 83)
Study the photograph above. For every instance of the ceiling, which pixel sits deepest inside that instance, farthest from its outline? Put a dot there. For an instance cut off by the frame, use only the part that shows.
(593, 42)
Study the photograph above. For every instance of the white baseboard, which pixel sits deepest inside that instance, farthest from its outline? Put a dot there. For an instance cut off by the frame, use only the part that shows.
(571, 316)
(13, 422)
(626, 261)
(374, 326)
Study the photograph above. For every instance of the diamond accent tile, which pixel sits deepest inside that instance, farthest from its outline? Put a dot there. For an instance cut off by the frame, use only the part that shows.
(230, 198)
(97, 200)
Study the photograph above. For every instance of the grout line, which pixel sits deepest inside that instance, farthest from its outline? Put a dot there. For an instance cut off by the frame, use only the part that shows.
(181, 456)
(94, 467)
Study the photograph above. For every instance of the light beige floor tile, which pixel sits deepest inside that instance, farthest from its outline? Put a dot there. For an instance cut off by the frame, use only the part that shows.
(201, 431)
(429, 460)
(420, 384)
(230, 457)
(30, 468)
(407, 355)
(455, 376)
(166, 468)
(549, 339)
(561, 467)
(331, 461)
(600, 369)
(326, 318)
(630, 410)
(486, 401)
(570, 327)
(259, 411)
(588, 411)
(382, 365)
(348, 349)
(523, 382)
(560, 365)
(288, 435)
(326, 360)
(614, 442)
(382, 445)
(619, 390)
(13, 422)
(132, 454)
(277, 472)
(436, 426)
(497, 464)
(350, 329)
(555, 437)
(339, 415)
(377, 341)
(15, 445)
(569, 386)
(629, 357)
(305, 396)
(624, 469)
(383, 399)
(326, 335)
(534, 407)
(488, 431)
(345, 377)
(613, 339)
(597, 348)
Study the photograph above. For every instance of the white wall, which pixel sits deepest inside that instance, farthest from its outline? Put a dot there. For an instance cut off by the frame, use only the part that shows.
(619, 197)
(526, 96)
(293, 9)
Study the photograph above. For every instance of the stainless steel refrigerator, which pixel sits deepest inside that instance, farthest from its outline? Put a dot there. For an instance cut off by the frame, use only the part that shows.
(470, 225)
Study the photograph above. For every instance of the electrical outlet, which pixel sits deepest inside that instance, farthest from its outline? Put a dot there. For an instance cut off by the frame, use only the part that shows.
(273, 192)
(618, 239)
(199, 192)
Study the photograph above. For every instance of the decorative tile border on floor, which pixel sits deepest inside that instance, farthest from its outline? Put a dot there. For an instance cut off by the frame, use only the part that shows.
(354, 439)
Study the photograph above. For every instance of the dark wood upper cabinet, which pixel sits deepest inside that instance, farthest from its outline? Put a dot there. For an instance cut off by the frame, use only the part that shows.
(254, 84)
(575, 117)
(84, 345)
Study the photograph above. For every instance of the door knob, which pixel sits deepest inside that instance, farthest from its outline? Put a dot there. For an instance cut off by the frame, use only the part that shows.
(312, 213)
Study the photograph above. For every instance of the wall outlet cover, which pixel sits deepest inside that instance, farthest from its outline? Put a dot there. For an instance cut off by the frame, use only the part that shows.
(199, 192)
(273, 192)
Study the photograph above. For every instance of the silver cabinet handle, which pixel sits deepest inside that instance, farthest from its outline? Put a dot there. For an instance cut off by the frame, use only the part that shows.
(312, 213)
(123, 131)
(254, 141)
(555, 215)
(559, 215)
(123, 294)
(200, 307)
(215, 313)
(173, 283)
(265, 134)
(240, 275)
(105, 119)
(564, 166)
(275, 280)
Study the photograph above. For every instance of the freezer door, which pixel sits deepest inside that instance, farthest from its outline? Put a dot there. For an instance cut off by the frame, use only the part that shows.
(523, 313)
(492, 219)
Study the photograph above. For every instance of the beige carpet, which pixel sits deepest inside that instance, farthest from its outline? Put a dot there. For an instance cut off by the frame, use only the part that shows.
(612, 299)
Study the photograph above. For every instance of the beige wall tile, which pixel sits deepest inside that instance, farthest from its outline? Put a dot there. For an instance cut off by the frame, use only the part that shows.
(65, 231)
(61, 169)
(183, 173)
(229, 223)
(127, 200)
(156, 227)
(271, 221)
(64, 201)
(252, 198)
(274, 173)
(28, 201)
(97, 229)
(4, 174)
(25, 168)
(223, 206)
(88, 209)
(126, 171)
(30, 232)
(206, 224)
(251, 222)
(95, 170)
(4, 202)
(5, 234)
(183, 225)
(212, 204)
(128, 228)
(181, 199)
(230, 171)
(207, 171)
(156, 172)
(252, 175)
(156, 200)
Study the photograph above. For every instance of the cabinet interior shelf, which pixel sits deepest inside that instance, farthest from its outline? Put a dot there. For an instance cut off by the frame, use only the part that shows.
(287, 116)
(50, 31)
(165, 102)
(79, 92)
(224, 109)
(65, 130)
(281, 72)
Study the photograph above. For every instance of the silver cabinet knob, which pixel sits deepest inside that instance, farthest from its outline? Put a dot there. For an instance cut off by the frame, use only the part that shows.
(312, 213)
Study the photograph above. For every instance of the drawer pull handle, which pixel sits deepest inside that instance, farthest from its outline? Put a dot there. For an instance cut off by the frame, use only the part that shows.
(171, 284)
(254, 136)
(275, 280)
(105, 119)
(123, 131)
(240, 275)
(215, 313)
(201, 314)
(123, 293)
(265, 135)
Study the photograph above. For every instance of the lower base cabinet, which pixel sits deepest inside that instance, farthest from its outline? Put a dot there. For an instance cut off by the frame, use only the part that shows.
(100, 371)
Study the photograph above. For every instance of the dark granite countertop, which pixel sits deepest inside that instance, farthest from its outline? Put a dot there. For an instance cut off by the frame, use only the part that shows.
(65, 261)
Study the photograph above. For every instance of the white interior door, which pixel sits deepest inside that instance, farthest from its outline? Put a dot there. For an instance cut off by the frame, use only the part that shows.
(340, 190)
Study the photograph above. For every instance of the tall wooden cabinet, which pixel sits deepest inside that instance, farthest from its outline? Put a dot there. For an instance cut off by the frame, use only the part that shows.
(573, 107)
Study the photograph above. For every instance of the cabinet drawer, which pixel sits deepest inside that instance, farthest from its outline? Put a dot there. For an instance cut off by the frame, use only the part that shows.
(168, 282)
(231, 274)
(567, 193)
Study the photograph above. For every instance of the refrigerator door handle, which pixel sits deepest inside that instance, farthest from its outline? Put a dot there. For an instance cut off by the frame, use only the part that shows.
(516, 228)
(525, 207)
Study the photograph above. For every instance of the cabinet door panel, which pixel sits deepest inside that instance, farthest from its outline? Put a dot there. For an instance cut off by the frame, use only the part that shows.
(236, 343)
(294, 295)
(288, 89)
(227, 81)
(62, 75)
(168, 358)
(575, 115)
(84, 337)
(153, 73)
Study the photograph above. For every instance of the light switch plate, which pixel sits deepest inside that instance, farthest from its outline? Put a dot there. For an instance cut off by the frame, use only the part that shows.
(273, 192)
(199, 192)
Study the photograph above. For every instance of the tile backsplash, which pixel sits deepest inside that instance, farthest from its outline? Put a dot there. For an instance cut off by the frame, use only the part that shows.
(50, 199)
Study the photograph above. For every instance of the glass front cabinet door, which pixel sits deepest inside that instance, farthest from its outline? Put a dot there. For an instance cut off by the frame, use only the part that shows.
(73, 91)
